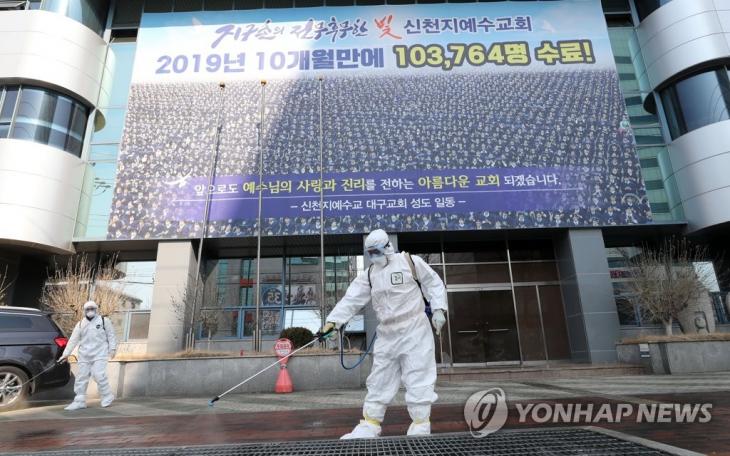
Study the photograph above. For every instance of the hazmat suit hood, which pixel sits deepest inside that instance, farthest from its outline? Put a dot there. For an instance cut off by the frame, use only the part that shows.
(378, 247)
(90, 310)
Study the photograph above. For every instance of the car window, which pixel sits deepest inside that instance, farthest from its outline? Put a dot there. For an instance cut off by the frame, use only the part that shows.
(22, 322)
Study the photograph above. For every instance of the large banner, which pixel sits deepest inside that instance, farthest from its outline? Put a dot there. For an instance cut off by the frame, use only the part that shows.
(419, 117)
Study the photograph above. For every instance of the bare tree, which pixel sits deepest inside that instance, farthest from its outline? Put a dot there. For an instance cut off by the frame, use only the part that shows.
(209, 319)
(665, 279)
(207, 305)
(5, 284)
(78, 281)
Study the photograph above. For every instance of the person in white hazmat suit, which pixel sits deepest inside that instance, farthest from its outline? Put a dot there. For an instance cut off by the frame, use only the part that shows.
(404, 348)
(97, 343)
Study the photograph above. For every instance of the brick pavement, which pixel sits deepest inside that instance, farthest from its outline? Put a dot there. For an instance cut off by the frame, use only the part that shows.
(315, 415)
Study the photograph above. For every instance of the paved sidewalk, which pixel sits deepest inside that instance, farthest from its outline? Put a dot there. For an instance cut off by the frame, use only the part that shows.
(329, 414)
(614, 388)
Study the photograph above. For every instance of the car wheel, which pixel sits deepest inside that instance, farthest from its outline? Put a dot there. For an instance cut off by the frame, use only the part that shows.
(13, 388)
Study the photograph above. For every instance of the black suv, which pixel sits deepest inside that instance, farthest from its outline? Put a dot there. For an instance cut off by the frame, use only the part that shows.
(29, 343)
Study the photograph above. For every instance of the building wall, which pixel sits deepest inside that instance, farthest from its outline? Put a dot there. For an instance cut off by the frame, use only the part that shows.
(590, 309)
(53, 51)
(679, 40)
(39, 197)
(40, 185)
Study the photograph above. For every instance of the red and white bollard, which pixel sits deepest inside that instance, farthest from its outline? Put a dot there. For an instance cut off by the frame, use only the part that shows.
(283, 347)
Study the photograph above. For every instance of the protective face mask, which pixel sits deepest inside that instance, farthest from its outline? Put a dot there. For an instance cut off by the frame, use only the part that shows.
(381, 260)
(90, 314)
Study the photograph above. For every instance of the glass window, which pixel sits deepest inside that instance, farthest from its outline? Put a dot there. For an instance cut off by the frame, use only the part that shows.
(135, 280)
(188, 5)
(270, 322)
(25, 323)
(290, 3)
(132, 284)
(646, 7)
(8, 104)
(534, 272)
(659, 207)
(477, 274)
(249, 318)
(158, 6)
(102, 176)
(291, 299)
(648, 136)
(218, 5)
(127, 14)
(220, 324)
(303, 281)
(697, 101)
(224, 286)
(112, 131)
(247, 4)
(429, 258)
(104, 152)
(483, 252)
(339, 272)
(122, 77)
(272, 295)
(91, 13)
(615, 6)
(541, 249)
(302, 318)
(139, 325)
(47, 117)
(654, 185)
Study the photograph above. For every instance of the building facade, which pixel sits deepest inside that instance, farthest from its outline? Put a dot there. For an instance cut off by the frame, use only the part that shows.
(519, 292)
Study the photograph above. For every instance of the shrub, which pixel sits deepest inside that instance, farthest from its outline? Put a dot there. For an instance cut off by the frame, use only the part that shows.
(297, 336)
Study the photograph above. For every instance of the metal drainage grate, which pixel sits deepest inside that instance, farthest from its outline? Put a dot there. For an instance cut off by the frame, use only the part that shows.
(571, 441)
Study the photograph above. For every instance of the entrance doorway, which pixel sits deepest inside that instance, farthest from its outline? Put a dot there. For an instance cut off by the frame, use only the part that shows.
(483, 326)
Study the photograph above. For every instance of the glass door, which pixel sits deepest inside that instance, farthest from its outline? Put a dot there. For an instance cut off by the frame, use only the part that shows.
(483, 326)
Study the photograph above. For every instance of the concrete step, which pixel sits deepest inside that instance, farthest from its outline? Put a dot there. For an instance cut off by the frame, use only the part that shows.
(557, 370)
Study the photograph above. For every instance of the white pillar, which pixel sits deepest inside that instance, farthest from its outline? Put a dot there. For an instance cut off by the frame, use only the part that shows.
(174, 277)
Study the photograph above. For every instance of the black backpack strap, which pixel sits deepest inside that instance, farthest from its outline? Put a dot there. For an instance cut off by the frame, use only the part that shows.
(369, 281)
(414, 273)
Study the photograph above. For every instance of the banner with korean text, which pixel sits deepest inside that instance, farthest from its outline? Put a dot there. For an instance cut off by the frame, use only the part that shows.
(420, 118)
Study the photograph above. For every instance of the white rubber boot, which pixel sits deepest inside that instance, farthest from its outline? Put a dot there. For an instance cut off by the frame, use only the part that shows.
(364, 430)
(75, 405)
(422, 428)
(106, 401)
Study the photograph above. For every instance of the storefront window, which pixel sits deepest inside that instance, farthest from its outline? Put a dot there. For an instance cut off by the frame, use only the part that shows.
(289, 292)
(303, 318)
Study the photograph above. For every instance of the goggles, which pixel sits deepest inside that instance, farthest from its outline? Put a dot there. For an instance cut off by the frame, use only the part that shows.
(377, 251)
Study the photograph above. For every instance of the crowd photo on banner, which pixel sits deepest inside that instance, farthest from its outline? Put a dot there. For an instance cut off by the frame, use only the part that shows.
(517, 121)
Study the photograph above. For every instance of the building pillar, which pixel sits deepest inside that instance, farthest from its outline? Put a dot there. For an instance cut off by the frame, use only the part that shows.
(174, 280)
(590, 309)
(371, 321)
